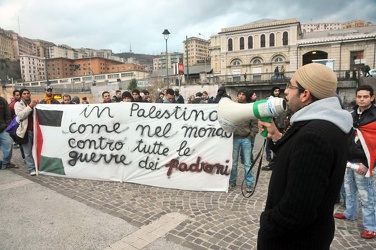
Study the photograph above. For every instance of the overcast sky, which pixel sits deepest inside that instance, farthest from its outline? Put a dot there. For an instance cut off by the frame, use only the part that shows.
(119, 24)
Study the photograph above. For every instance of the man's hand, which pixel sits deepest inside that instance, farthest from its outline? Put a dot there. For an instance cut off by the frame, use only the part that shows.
(33, 103)
(362, 169)
(273, 132)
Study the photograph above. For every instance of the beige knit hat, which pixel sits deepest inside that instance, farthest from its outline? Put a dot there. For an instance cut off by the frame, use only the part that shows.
(319, 79)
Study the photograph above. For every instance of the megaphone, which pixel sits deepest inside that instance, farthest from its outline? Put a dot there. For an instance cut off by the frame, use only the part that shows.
(231, 114)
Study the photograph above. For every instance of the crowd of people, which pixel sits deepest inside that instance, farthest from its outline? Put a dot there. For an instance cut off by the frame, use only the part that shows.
(313, 149)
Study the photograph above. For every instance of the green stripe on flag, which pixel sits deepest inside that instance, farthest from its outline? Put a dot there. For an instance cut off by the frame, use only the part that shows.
(51, 165)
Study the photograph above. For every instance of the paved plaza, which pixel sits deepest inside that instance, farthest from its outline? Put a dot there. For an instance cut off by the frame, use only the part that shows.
(84, 214)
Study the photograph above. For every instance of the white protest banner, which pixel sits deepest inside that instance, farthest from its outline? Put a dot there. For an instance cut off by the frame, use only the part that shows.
(178, 146)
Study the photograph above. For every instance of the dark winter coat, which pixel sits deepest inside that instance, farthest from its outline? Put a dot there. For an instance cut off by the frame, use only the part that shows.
(305, 182)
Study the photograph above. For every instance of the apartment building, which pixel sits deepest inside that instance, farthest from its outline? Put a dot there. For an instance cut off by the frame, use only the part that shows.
(312, 27)
(21, 46)
(197, 50)
(40, 48)
(32, 68)
(65, 67)
(64, 51)
(172, 59)
(355, 24)
(6, 45)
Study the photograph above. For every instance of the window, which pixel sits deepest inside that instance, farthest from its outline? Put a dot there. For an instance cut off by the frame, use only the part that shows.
(285, 38)
(262, 42)
(278, 59)
(271, 40)
(250, 42)
(236, 63)
(257, 61)
(229, 45)
(241, 43)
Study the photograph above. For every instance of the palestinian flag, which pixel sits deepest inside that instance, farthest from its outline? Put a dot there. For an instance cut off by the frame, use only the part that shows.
(50, 120)
(367, 137)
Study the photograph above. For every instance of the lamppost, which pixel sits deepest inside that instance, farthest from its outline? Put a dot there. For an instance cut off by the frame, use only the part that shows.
(205, 54)
(166, 33)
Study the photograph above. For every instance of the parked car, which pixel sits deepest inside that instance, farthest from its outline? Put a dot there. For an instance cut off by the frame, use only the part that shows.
(372, 72)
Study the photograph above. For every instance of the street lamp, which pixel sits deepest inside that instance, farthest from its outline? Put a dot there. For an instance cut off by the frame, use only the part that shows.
(166, 33)
(205, 53)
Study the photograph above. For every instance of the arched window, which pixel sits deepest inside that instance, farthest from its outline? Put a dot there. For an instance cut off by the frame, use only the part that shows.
(250, 42)
(285, 38)
(241, 43)
(236, 63)
(262, 42)
(278, 59)
(271, 40)
(229, 45)
(257, 61)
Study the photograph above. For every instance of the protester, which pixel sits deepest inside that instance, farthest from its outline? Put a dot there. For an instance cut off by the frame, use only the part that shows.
(127, 96)
(106, 97)
(84, 100)
(359, 176)
(136, 95)
(67, 99)
(310, 164)
(6, 142)
(117, 96)
(178, 97)
(49, 97)
(205, 98)
(244, 134)
(24, 111)
(160, 97)
(169, 97)
(145, 95)
(198, 98)
(270, 157)
(221, 93)
(16, 98)
(190, 99)
(76, 100)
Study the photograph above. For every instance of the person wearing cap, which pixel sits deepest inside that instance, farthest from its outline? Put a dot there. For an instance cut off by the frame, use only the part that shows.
(76, 100)
(49, 97)
(221, 93)
(359, 177)
(243, 139)
(178, 97)
(310, 164)
(127, 96)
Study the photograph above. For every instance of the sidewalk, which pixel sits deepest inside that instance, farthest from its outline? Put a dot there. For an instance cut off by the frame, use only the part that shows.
(46, 212)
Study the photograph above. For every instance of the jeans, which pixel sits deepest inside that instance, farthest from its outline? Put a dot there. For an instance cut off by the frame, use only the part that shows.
(355, 183)
(6, 144)
(246, 148)
(28, 150)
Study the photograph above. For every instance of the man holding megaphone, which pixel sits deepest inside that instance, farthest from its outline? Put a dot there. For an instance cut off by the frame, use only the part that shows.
(310, 164)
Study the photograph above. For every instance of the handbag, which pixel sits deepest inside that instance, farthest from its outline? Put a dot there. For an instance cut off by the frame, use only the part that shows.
(12, 130)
